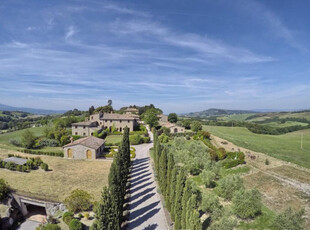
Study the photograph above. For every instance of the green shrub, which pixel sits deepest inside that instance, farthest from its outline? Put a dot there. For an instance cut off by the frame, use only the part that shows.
(44, 166)
(221, 154)
(247, 203)
(210, 202)
(289, 219)
(227, 223)
(208, 178)
(267, 162)
(163, 138)
(86, 215)
(75, 225)
(4, 189)
(78, 200)
(67, 217)
(51, 227)
(136, 139)
(228, 185)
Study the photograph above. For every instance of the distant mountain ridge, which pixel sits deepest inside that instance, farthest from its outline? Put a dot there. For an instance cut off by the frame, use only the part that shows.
(30, 110)
(217, 112)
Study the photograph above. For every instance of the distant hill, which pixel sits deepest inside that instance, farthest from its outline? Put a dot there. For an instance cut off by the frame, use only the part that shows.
(30, 110)
(217, 112)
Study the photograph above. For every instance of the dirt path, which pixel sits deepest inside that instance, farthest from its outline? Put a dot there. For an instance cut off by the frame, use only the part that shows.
(146, 209)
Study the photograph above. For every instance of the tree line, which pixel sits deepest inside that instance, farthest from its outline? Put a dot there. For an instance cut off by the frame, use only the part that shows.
(181, 197)
(109, 210)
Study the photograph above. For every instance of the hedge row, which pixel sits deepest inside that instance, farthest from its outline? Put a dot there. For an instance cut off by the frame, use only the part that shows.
(38, 152)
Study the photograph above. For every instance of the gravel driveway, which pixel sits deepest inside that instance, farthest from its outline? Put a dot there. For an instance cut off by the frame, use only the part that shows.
(146, 209)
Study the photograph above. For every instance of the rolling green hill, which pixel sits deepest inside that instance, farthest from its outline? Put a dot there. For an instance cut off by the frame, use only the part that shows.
(285, 147)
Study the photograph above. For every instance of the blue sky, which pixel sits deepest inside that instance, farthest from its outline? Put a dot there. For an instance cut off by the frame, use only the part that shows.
(179, 55)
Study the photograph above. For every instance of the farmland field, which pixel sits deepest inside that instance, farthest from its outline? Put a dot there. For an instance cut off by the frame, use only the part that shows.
(65, 175)
(285, 147)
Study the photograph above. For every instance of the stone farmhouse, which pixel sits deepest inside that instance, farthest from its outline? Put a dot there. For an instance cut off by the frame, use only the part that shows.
(84, 148)
(162, 118)
(101, 121)
(131, 110)
(174, 128)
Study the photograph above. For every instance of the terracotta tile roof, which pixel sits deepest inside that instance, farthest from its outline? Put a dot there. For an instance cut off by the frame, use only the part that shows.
(168, 124)
(90, 142)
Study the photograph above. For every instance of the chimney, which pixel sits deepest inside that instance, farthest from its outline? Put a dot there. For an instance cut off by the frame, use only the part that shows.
(71, 139)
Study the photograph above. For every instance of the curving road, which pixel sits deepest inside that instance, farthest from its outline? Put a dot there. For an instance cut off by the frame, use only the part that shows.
(145, 206)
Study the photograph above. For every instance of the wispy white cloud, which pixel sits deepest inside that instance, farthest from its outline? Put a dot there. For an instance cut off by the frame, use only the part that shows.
(203, 45)
(70, 32)
(269, 18)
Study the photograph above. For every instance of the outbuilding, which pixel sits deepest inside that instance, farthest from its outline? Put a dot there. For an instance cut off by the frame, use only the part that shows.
(84, 148)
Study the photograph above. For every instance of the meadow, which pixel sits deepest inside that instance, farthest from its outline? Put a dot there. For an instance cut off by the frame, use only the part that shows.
(64, 176)
(285, 147)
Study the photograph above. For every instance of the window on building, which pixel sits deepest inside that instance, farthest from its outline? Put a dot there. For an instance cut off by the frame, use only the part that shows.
(92, 117)
(84, 127)
(76, 126)
(84, 134)
(106, 121)
(76, 133)
(120, 121)
(110, 120)
(128, 121)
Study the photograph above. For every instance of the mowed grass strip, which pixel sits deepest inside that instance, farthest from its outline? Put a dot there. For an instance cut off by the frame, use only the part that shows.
(114, 139)
(285, 147)
(65, 176)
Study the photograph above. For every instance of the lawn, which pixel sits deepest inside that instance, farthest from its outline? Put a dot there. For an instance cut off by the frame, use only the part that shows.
(285, 147)
(114, 139)
(65, 176)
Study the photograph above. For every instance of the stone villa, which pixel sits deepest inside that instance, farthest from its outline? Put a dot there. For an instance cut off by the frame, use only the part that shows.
(174, 128)
(84, 148)
(103, 121)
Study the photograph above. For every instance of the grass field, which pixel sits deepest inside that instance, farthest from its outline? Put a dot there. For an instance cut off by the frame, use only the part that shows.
(114, 139)
(286, 124)
(236, 117)
(5, 138)
(65, 176)
(285, 147)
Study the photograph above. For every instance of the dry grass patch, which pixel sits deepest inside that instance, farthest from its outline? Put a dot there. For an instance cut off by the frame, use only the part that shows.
(278, 195)
(65, 176)
(300, 175)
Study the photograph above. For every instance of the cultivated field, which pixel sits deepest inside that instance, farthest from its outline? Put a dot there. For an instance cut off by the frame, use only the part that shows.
(65, 176)
(282, 184)
(285, 147)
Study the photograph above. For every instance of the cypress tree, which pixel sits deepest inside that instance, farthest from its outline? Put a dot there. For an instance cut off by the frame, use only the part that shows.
(115, 186)
(169, 178)
(126, 148)
(105, 212)
(163, 170)
(155, 140)
(158, 149)
(186, 196)
(192, 205)
(172, 191)
(178, 198)
(195, 220)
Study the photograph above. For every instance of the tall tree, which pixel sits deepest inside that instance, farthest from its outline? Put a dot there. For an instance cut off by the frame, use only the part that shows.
(105, 212)
(173, 117)
(169, 178)
(91, 110)
(172, 191)
(178, 198)
(186, 196)
(163, 170)
(150, 117)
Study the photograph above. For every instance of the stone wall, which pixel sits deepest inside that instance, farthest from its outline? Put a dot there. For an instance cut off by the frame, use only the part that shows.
(80, 152)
